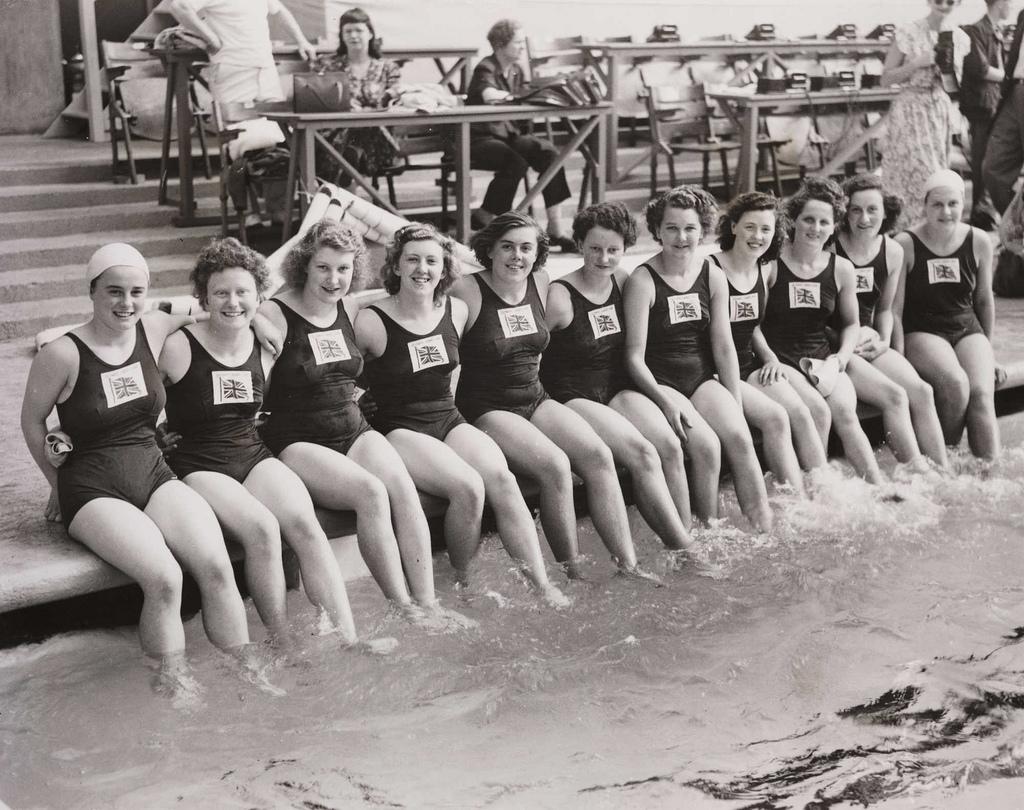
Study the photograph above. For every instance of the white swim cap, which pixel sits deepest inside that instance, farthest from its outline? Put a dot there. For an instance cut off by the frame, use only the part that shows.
(116, 254)
(943, 178)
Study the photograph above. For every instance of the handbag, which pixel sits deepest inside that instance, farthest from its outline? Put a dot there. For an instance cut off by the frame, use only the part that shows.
(576, 89)
(321, 93)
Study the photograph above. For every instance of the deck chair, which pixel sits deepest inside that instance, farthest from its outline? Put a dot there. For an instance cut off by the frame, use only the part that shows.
(122, 63)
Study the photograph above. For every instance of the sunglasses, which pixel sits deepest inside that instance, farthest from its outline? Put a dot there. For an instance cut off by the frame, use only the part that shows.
(946, 3)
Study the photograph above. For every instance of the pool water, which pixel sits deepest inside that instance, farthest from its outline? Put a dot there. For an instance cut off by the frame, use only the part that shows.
(868, 652)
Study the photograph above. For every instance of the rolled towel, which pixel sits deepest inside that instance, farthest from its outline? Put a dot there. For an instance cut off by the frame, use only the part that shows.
(58, 447)
(823, 374)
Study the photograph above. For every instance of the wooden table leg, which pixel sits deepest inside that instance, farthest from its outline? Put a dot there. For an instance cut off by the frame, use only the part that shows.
(612, 137)
(165, 149)
(463, 183)
(289, 184)
(600, 187)
(746, 171)
(183, 113)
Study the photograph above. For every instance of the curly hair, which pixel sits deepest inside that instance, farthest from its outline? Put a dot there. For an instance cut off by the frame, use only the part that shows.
(355, 16)
(451, 269)
(752, 201)
(892, 205)
(325, 233)
(821, 189)
(611, 216)
(222, 254)
(484, 240)
(684, 197)
(502, 33)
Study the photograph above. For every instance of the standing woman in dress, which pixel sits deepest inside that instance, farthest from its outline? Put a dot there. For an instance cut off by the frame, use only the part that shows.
(584, 367)
(411, 344)
(806, 285)
(500, 391)
(920, 125)
(878, 264)
(949, 315)
(115, 494)
(316, 428)
(678, 338)
(215, 374)
(791, 429)
(371, 81)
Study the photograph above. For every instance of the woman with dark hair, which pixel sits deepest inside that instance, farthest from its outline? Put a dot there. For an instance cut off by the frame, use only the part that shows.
(880, 374)
(806, 285)
(500, 391)
(584, 368)
(215, 373)
(411, 343)
(504, 147)
(371, 81)
(750, 237)
(949, 315)
(677, 340)
(115, 493)
(316, 428)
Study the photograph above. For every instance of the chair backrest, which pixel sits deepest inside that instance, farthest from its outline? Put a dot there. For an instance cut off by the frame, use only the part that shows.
(676, 109)
(121, 56)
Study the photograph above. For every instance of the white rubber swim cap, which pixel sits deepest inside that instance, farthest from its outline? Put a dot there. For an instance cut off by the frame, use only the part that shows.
(116, 254)
(944, 178)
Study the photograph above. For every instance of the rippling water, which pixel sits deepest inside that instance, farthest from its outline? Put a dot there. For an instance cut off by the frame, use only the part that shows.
(869, 652)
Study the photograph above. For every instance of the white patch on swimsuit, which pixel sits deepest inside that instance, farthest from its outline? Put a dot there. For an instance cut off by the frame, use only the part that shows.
(944, 271)
(684, 307)
(231, 387)
(329, 347)
(804, 295)
(124, 384)
(604, 321)
(517, 321)
(865, 279)
(743, 307)
(428, 352)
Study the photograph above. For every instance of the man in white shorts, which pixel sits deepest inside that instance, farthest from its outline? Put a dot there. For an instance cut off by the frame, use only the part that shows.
(238, 38)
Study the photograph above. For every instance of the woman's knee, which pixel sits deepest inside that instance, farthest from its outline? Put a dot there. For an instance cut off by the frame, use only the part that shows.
(894, 397)
(920, 393)
(371, 497)
(643, 456)
(164, 585)
(775, 422)
(468, 490)
(953, 387)
(704, 449)
(263, 537)
(554, 470)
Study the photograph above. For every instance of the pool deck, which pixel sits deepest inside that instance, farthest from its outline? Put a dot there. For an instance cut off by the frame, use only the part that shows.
(40, 565)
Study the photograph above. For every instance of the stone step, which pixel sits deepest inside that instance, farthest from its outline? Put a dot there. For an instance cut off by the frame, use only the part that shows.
(40, 283)
(45, 197)
(21, 254)
(27, 318)
(84, 219)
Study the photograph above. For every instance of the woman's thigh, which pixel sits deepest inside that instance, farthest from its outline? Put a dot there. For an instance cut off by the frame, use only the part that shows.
(435, 467)
(975, 355)
(569, 431)
(333, 480)
(238, 511)
(525, 446)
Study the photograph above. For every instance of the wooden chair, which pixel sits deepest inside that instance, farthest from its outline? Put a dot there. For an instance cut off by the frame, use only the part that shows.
(118, 59)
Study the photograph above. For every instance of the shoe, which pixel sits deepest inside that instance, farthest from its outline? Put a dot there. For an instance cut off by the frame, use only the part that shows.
(563, 243)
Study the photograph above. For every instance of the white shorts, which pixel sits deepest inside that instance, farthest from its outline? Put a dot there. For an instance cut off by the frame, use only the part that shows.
(243, 85)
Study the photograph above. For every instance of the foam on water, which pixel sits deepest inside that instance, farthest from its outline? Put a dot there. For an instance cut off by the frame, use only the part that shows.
(865, 651)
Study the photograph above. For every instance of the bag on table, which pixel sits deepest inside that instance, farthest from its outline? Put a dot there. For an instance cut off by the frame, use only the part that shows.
(576, 89)
(322, 92)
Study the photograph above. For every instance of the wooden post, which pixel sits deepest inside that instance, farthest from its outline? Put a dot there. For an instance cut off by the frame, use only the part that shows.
(93, 87)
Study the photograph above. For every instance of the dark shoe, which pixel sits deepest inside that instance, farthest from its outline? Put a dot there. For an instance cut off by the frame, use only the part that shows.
(563, 243)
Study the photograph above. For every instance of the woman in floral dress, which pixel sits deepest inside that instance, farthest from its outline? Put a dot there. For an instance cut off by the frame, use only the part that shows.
(922, 117)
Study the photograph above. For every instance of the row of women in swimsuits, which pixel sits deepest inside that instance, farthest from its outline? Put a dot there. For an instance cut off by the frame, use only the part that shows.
(577, 375)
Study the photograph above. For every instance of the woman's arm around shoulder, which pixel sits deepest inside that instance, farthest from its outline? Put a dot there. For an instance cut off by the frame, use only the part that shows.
(175, 358)
(558, 309)
(460, 314)
(371, 336)
(467, 290)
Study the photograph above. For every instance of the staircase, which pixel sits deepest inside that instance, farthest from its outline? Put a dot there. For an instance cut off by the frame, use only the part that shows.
(57, 205)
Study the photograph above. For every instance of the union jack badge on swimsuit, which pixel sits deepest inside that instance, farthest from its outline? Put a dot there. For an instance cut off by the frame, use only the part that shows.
(685, 307)
(604, 321)
(944, 271)
(123, 384)
(804, 294)
(517, 321)
(329, 347)
(743, 307)
(231, 387)
(865, 279)
(428, 352)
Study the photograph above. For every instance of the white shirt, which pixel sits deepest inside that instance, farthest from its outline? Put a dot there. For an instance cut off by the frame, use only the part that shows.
(243, 30)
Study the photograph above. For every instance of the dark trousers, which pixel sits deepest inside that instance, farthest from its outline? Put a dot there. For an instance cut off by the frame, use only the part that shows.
(980, 129)
(509, 160)
(1005, 153)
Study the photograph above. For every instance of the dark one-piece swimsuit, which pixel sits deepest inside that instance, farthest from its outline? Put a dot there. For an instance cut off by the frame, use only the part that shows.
(746, 311)
(940, 292)
(213, 407)
(411, 382)
(501, 355)
(586, 359)
(111, 418)
(797, 312)
(311, 397)
(871, 278)
(678, 333)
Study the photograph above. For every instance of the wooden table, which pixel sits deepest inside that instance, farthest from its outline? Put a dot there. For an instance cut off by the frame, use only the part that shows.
(587, 121)
(183, 65)
(767, 57)
(745, 109)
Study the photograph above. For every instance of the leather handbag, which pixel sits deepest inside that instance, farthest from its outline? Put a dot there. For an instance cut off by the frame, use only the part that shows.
(321, 93)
